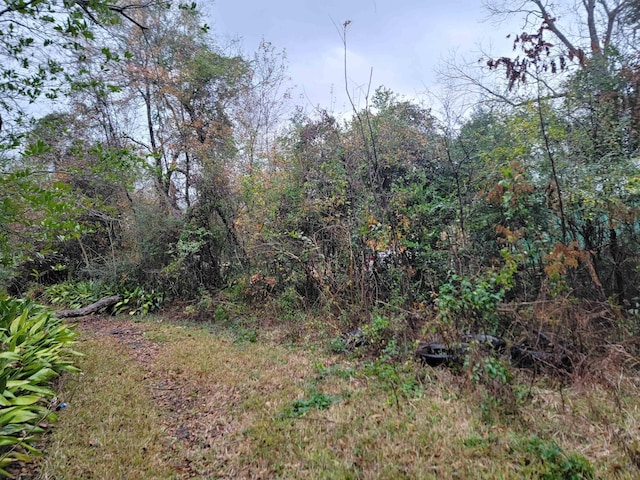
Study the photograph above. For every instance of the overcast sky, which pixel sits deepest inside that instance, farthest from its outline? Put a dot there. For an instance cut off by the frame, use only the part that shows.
(403, 41)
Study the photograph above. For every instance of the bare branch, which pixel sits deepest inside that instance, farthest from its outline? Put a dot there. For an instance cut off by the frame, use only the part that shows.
(590, 7)
(612, 16)
(551, 24)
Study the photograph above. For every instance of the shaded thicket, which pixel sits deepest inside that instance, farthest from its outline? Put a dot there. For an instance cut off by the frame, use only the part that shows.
(173, 168)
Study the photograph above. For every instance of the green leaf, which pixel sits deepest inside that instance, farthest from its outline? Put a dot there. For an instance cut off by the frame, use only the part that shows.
(42, 391)
(10, 355)
(38, 326)
(43, 375)
(7, 440)
(15, 324)
(26, 400)
(12, 384)
(17, 415)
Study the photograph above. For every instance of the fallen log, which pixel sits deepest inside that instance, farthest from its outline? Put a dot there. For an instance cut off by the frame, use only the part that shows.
(89, 309)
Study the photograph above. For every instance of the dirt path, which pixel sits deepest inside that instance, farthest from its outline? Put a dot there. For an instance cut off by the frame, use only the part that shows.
(194, 413)
(198, 403)
(127, 332)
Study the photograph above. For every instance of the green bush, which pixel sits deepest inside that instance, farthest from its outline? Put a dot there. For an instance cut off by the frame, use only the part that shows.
(337, 345)
(315, 401)
(73, 294)
(472, 302)
(378, 334)
(492, 380)
(34, 349)
(139, 301)
(547, 461)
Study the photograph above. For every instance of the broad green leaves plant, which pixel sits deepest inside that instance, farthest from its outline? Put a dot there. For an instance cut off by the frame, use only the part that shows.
(139, 301)
(135, 301)
(75, 294)
(34, 349)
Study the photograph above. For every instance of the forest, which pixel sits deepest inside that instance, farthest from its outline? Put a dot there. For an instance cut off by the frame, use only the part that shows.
(143, 160)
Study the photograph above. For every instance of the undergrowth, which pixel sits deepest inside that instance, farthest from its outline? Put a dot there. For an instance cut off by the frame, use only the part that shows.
(135, 300)
(258, 409)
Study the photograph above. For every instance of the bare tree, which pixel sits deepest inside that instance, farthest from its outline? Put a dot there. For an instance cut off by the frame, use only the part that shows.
(261, 107)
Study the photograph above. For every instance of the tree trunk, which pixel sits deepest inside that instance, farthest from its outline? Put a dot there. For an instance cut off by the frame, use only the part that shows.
(94, 307)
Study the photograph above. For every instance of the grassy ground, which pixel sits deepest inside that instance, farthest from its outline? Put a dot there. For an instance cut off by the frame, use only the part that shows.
(111, 428)
(159, 400)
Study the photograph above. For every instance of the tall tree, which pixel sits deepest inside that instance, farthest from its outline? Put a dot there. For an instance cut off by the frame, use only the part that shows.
(587, 131)
(38, 38)
(261, 108)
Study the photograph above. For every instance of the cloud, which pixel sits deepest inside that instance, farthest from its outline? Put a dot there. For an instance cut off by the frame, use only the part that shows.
(321, 79)
(404, 41)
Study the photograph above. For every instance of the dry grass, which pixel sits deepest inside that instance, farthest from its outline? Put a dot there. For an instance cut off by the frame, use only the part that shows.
(111, 428)
(203, 406)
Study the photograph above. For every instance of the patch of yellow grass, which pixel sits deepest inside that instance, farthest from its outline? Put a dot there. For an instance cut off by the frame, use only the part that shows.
(111, 428)
(364, 435)
(226, 411)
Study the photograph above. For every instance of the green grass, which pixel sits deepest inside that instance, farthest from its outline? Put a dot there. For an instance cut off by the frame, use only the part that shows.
(261, 410)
